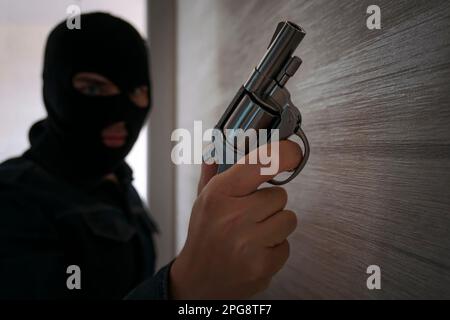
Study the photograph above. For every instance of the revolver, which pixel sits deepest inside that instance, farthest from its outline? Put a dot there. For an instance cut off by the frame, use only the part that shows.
(263, 102)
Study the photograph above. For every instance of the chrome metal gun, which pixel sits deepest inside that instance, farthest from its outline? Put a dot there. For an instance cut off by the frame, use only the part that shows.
(263, 102)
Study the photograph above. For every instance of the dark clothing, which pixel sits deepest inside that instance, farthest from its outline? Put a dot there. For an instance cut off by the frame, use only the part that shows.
(46, 225)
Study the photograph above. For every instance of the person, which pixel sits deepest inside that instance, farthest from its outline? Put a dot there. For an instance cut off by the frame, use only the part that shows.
(69, 200)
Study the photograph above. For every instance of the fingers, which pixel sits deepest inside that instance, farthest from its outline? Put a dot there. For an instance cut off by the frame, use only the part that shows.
(242, 179)
(277, 256)
(265, 202)
(275, 229)
(208, 171)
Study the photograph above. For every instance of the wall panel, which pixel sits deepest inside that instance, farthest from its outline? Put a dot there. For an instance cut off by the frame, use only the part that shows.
(376, 108)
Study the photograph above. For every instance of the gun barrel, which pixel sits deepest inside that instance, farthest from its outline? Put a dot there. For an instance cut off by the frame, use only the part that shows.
(286, 39)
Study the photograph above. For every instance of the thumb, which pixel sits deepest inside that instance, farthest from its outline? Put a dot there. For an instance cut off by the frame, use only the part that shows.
(208, 171)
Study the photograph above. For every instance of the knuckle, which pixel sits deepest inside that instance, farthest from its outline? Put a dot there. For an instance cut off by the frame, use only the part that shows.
(291, 219)
(282, 195)
(262, 269)
(277, 195)
(280, 256)
(212, 183)
(207, 200)
(293, 151)
(220, 182)
(242, 245)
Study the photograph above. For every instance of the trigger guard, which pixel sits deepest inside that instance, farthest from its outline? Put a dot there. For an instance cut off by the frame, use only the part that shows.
(302, 163)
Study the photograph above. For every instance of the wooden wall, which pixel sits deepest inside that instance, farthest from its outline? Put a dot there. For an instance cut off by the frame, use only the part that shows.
(376, 108)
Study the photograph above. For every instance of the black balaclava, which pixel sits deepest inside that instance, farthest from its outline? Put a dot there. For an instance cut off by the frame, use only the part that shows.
(68, 142)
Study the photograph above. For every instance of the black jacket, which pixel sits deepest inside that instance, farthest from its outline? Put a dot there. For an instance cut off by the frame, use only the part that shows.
(47, 225)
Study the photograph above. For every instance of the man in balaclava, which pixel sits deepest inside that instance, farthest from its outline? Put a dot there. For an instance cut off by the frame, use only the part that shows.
(70, 198)
(113, 49)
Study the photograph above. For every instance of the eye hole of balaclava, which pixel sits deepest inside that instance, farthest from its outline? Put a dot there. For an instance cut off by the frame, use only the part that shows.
(94, 84)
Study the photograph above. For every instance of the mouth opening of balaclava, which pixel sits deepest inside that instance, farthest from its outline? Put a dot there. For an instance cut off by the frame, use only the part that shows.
(69, 140)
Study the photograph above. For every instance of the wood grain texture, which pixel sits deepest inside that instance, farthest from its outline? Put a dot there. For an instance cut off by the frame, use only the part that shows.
(376, 108)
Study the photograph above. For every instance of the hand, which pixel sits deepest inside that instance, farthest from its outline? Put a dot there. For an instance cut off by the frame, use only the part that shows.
(237, 234)
(208, 171)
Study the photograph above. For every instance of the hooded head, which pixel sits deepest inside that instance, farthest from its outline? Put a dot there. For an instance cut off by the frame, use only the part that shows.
(71, 139)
